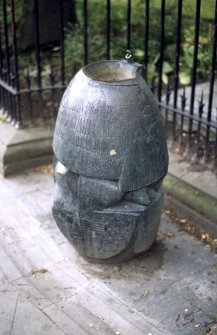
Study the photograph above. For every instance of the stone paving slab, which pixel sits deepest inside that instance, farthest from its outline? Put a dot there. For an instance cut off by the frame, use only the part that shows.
(47, 288)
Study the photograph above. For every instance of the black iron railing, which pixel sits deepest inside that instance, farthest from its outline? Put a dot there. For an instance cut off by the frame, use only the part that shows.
(32, 79)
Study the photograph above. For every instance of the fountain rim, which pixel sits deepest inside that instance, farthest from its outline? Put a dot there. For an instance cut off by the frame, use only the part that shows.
(133, 81)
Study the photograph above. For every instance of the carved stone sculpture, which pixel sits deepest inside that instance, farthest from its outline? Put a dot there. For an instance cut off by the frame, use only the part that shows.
(110, 160)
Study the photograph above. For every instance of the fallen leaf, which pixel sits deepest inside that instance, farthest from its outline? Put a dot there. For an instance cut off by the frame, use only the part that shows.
(146, 292)
(34, 272)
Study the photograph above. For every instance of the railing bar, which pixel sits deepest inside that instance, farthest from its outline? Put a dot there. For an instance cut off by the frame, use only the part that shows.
(13, 91)
(37, 43)
(198, 137)
(1, 56)
(85, 13)
(162, 28)
(16, 67)
(7, 103)
(187, 115)
(29, 98)
(215, 149)
(62, 51)
(195, 61)
(212, 76)
(14, 35)
(178, 51)
(52, 92)
(212, 80)
(168, 94)
(8, 88)
(147, 10)
(128, 24)
(200, 112)
(46, 88)
(181, 129)
(6, 40)
(1, 68)
(108, 27)
(12, 111)
(3, 92)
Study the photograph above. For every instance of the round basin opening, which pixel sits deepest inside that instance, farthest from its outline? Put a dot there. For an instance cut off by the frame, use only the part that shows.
(110, 71)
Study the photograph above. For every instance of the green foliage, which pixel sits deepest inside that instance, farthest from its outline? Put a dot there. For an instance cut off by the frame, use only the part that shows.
(74, 48)
(74, 43)
(207, 7)
(18, 13)
(204, 55)
(97, 36)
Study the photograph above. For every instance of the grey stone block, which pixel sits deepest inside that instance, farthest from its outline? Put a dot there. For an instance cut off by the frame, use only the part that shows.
(110, 160)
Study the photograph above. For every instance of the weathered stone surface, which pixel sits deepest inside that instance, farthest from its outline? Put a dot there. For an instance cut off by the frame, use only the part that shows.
(111, 157)
(111, 130)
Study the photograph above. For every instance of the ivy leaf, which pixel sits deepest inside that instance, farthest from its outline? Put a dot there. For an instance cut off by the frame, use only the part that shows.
(156, 59)
(139, 52)
(165, 78)
(204, 40)
(167, 68)
(185, 78)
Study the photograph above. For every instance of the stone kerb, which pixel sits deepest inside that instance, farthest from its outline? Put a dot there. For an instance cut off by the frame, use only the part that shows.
(24, 148)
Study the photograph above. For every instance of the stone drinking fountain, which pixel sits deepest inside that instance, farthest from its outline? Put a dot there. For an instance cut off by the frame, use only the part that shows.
(110, 161)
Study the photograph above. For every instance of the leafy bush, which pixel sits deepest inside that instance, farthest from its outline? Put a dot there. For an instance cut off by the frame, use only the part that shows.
(97, 37)
(74, 44)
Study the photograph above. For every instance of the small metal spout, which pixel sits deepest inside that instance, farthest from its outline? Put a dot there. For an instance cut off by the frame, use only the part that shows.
(129, 57)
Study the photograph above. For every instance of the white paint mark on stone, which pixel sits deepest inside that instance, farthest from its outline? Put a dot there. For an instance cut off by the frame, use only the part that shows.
(113, 152)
